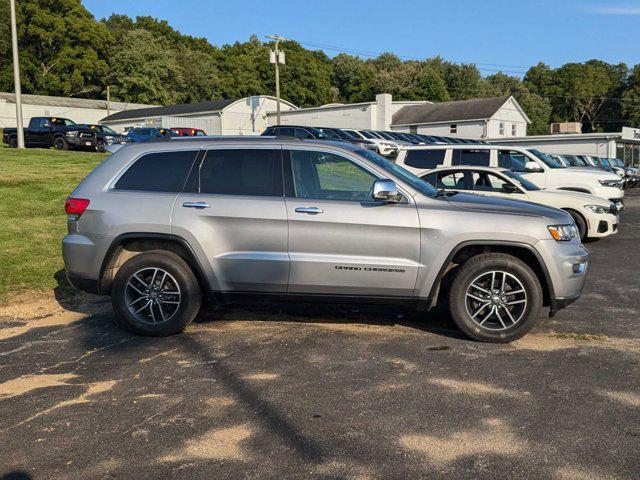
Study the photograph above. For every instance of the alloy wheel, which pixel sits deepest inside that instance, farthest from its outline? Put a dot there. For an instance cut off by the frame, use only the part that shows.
(152, 295)
(496, 300)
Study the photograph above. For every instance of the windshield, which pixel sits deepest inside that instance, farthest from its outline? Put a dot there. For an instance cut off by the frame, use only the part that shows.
(406, 176)
(367, 134)
(605, 162)
(616, 162)
(524, 183)
(386, 136)
(330, 134)
(104, 129)
(546, 159)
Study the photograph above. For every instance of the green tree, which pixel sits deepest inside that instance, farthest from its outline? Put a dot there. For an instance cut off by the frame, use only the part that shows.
(630, 104)
(62, 49)
(147, 70)
(353, 78)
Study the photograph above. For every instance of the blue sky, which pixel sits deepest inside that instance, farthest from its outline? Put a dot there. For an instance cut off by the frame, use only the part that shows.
(507, 35)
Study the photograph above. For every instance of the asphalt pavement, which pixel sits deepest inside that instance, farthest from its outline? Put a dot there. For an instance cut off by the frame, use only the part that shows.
(302, 391)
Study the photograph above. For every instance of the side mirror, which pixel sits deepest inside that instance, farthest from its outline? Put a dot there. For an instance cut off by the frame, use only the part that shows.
(386, 191)
(509, 188)
(532, 167)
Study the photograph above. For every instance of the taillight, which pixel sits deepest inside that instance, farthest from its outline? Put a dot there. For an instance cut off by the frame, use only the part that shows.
(76, 207)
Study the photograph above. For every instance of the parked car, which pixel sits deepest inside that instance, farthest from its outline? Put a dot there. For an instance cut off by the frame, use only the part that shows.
(105, 136)
(278, 218)
(56, 132)
(594, 216)
(189, 132)
(537, 167)
(313, 133)
(384, 147)
(142, 134)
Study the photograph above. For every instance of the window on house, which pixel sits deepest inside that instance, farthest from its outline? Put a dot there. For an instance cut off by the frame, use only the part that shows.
(501, 129)
(453, 128)
(514, 129)
(413, 129)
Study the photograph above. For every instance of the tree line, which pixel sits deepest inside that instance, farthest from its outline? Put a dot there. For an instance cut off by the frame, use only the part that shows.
(65, 51)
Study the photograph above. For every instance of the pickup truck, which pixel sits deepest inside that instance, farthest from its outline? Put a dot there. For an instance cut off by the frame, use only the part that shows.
(46, 132)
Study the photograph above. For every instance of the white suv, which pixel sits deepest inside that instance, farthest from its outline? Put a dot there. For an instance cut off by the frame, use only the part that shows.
(537, 167)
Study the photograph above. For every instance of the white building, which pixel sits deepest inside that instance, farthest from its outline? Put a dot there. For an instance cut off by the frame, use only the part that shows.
(366, 115)
(624, 145)
(79, 110)
(244, 116)
(481, 118)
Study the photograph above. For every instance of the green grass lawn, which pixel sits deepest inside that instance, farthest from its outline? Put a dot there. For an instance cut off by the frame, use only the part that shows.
(34, 184)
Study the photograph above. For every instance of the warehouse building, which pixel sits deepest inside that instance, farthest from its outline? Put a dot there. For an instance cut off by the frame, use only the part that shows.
(80, 110)
(244, 116)
(375, 115)
(624, 145)
(480, 118)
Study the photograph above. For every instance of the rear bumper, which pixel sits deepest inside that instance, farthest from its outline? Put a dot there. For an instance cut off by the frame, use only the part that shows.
(89, 285)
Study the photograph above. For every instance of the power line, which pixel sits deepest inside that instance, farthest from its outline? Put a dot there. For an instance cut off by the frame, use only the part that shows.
(373, 54)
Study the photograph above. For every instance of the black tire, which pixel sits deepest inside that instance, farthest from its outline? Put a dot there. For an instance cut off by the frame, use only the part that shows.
(179, 272)
(475, 268)
(580, 222)
(59, 143)
(13, 141)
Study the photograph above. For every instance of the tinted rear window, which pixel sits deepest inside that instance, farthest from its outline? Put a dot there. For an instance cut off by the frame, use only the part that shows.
(424, 158)
(241, 172)
(480, 158)
(158, 172)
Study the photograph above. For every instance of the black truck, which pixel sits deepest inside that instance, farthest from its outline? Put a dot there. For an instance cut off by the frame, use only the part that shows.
(46, 132)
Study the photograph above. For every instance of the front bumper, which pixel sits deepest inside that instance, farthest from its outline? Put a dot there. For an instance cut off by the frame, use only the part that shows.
(602, 225)
(81, 142)
(567, 265)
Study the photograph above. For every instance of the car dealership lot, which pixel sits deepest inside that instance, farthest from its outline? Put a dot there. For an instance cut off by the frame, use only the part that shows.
(328, 392)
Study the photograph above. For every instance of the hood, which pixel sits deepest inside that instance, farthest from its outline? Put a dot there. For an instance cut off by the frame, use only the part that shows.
(480, 203)
(585, 198)
(600, 173)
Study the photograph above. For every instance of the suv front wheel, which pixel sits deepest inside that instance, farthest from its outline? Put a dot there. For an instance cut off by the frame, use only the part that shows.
(495, 297)
(155, 293)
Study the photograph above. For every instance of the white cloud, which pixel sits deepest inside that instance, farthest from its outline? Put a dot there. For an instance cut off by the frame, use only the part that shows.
(615, 9)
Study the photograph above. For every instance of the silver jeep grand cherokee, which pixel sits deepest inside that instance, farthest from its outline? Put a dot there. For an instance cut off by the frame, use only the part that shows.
(159, 224)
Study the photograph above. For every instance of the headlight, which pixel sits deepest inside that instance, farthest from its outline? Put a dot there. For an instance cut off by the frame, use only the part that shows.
(563, 233)
(598, 208)
(610, 183)
(73, 133)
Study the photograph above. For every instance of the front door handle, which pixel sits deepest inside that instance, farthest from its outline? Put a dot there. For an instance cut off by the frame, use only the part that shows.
(196, 205)
(309, 210)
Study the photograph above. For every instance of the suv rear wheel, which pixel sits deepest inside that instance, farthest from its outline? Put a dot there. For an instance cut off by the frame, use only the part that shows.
(155, 293)
(495, 297)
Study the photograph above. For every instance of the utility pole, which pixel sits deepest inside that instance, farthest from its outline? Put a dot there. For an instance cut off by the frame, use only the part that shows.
(277, 57)
(16, 73)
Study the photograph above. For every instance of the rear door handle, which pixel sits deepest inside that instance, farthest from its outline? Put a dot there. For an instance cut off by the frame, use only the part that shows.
(196, 205)
(310, 210)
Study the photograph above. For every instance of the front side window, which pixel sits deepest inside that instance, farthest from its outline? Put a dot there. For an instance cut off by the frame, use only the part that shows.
(302, 133)
(322, 175)
(254, 172)
(478, 158)
(158, 172)
(425, 158)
